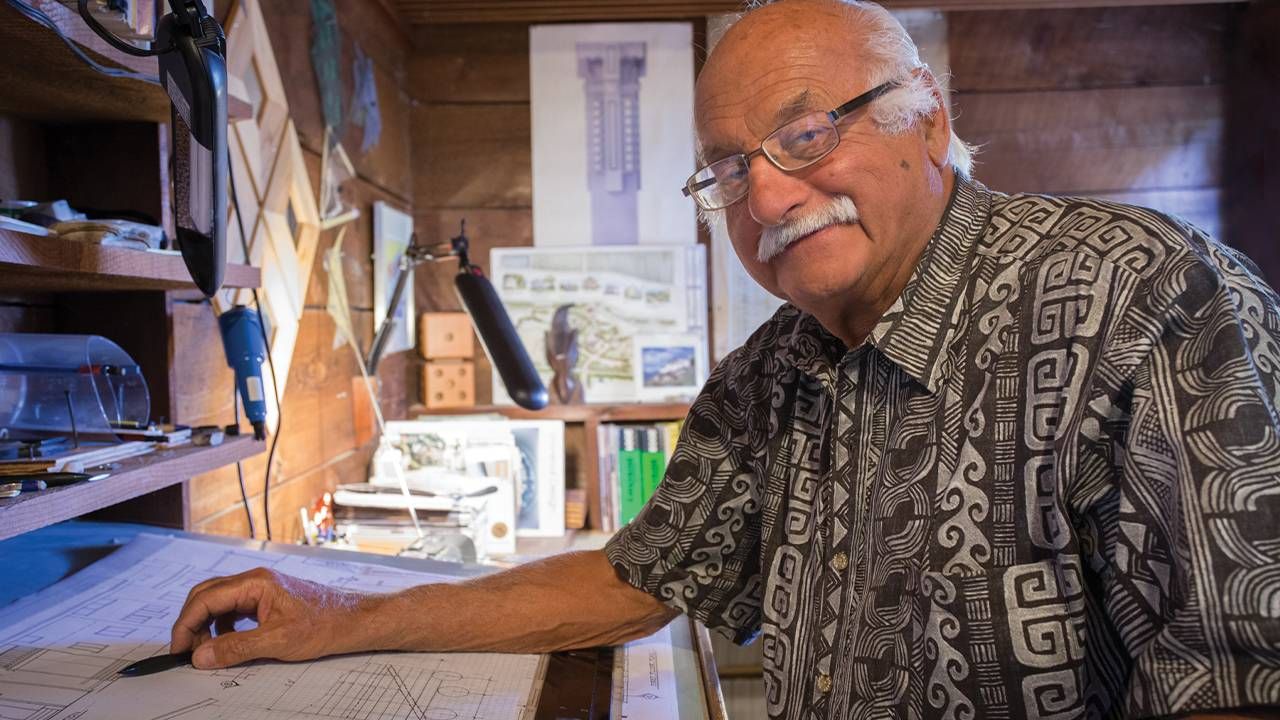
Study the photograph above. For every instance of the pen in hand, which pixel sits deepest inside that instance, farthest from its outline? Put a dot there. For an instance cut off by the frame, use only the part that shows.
(156, 663)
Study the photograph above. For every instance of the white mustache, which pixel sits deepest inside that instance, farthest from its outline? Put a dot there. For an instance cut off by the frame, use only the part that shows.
(775, 239)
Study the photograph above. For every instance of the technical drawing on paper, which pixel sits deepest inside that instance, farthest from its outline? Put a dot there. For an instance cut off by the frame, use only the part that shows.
(59, 661)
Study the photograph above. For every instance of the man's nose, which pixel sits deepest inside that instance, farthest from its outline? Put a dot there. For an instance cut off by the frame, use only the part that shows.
(773, 193)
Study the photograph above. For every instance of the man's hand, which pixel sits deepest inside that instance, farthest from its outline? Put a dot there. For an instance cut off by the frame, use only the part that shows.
(297, 620)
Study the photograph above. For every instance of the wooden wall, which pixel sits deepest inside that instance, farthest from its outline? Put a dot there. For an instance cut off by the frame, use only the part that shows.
(318, 445)
(470, 139)
(1121, 103)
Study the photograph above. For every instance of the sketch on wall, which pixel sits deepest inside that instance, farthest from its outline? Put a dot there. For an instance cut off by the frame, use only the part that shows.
(612, 119)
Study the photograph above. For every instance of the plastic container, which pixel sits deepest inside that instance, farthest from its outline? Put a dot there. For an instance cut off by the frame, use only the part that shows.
(47, 381)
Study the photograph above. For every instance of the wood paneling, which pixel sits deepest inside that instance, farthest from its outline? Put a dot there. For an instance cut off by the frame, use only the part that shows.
(1089, 141)
(486, 229)
(23, 171)
(383, 40)
(1093, 48)
(1253, 137)
(471, 11)
(471, 64)
(318, 446)
(472, 156)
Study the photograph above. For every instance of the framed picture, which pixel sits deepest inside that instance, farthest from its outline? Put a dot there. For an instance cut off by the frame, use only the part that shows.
(611, 105)
(392, 233)
(669, 367)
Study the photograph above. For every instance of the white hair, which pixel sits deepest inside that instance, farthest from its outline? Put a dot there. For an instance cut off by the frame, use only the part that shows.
(890, 54)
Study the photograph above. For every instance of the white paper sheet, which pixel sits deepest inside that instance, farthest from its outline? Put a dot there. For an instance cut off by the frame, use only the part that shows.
(644, 678)
(60, 651)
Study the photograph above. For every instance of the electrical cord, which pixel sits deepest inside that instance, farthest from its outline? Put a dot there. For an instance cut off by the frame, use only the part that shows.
(275, 385)
(37, 16)
(244, 496)
(111, 38)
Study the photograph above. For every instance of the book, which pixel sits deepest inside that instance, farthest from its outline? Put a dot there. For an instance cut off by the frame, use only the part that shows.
(653, 461)
(630, 476)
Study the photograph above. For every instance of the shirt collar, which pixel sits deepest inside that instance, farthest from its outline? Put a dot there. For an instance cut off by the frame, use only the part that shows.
(916, 330)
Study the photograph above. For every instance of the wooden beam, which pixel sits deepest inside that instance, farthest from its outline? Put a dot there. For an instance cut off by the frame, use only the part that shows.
(424, 12)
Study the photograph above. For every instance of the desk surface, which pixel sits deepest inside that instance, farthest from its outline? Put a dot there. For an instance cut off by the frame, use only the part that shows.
(38, 559)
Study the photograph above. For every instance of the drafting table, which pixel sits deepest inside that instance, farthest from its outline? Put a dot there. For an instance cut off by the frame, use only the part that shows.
(576, 685)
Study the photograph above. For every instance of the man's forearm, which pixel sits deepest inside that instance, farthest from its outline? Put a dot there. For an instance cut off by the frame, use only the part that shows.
(563, 602)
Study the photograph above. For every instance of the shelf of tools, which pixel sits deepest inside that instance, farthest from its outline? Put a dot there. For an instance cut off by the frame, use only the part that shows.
(85, 123)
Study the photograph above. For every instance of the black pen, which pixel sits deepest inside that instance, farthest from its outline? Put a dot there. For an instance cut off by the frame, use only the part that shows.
(156, 663)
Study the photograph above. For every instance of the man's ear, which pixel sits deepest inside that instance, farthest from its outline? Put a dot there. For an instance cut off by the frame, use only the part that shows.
(937, 126)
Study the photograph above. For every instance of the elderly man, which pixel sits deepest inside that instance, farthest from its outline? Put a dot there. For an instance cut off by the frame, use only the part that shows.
(998, 456)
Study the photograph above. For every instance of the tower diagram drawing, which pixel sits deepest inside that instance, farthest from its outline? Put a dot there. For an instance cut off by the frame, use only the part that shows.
(611, 75)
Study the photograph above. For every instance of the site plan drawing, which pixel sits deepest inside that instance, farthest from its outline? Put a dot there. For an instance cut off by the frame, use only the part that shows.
(61, 649)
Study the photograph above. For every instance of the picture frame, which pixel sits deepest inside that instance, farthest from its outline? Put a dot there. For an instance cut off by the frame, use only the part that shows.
(392, 233)
(669, 368)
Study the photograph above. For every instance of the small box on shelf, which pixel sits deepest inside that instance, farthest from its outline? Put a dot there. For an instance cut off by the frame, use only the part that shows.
(444, 335)
(449, 384)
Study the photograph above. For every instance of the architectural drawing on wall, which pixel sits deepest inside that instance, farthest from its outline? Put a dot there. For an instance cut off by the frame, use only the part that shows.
(611, 75)
(620, 296)
(60, 654)
(611, 108)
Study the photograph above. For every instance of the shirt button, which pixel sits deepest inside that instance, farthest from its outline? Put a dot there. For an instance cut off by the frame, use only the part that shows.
(840, 561)
(824, 683)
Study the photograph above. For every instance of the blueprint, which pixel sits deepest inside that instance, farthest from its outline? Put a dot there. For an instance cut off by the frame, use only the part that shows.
(644, 679)
(59, 658)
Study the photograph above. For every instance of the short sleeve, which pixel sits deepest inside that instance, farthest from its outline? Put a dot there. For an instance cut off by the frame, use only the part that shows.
(1190, 531)
(696, 544)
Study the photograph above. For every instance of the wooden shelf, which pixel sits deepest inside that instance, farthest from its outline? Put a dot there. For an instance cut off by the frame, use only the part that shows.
(45, 80)
(30, 262)
(135, 476)
(638, 412)
(590, 417)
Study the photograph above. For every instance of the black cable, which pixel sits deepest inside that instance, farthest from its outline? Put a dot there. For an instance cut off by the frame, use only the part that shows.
(111, 38)
(38, 16)
(275, 385)
(244, 496)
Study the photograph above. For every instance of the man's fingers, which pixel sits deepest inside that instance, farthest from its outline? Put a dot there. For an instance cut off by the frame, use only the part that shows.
(234, 596)
(233, 649)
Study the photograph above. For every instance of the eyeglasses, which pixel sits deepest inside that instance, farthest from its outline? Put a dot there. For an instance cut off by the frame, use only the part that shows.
(796, 145)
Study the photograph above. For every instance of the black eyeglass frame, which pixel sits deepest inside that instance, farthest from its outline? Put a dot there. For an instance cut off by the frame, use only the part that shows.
(690, 186)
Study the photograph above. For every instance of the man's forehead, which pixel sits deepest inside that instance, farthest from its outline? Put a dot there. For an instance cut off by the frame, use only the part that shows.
(731, 127)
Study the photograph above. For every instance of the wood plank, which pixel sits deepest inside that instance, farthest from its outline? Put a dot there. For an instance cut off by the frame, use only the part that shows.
(135, 477)
(472, 156)
(286, 499)
(470, 63)
(108, 166)
(1088, 48)
(30, 262)
(1253, 134)
(43, 79)
(421, 12)
(1089, 141)
(1200, 207)
(597, 412)
(23, 171)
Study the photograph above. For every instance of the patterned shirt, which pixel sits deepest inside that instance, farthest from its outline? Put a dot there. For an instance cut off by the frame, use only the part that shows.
(1046, 486)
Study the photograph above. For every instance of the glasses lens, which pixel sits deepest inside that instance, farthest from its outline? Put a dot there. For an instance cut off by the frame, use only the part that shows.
(720, 184)
(802, 141)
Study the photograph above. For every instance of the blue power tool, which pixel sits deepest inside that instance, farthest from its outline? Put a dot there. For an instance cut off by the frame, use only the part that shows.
(243, 340)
